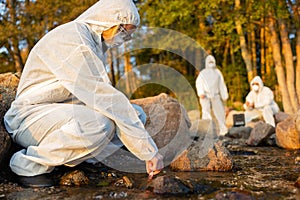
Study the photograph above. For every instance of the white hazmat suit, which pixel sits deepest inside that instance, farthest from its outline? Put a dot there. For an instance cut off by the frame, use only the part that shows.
(260, 102)
(212, 90)
(66, 110)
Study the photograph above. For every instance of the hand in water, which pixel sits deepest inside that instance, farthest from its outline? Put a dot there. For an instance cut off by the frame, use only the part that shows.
(155, 165)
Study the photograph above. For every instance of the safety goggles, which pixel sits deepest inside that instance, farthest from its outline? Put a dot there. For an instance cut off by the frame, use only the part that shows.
(125, 35)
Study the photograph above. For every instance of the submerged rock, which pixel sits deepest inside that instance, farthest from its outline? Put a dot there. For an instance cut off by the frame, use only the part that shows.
(76, 177)
(124, 181)
(167, 184)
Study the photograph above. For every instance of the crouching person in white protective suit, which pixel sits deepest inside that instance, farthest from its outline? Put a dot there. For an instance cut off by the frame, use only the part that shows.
(212, 91)
(260, 102)
(66, 111)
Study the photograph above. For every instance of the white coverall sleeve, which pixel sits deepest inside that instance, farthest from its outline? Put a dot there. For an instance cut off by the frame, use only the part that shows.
(222, 87)
(249, 97)
(200, 85)
(266, 97)
(84, 75)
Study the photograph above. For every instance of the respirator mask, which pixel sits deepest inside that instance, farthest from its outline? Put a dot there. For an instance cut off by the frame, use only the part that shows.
(118, 39)
(255, 88)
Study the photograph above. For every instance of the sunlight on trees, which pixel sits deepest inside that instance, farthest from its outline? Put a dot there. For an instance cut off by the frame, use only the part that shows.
(247, 38)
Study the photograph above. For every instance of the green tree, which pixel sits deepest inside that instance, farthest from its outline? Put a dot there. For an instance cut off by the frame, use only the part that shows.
(23, 23)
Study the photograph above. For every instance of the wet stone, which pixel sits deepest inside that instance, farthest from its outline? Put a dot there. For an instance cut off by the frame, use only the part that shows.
(297, 183)
(234, 195)
(125, 181)
(239, 132)
(168, 185)
(74, 178)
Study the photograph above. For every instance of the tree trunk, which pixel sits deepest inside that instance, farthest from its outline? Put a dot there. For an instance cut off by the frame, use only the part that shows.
(225, 54)
(262, 49)
(14, 43)
(253, 51)
(287, 106)
(298, 64)
(245, 53)
(288, 56)
(269, 57)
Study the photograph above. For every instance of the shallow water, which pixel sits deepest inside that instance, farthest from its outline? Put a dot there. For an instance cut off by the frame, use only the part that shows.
(259, 173)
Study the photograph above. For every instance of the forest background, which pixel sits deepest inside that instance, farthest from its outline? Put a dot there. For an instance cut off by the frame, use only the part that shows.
(247, 37)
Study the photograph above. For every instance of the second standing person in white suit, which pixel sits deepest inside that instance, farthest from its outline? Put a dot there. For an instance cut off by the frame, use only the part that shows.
(212, 92)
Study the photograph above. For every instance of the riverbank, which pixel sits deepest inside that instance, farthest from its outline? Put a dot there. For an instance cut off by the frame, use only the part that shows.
(259, 173)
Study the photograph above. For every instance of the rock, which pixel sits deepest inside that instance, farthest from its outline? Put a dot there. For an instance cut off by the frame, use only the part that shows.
(260, 133)
(297, 160)
(271, 141)
(168, 124)
(280, 116)
(5, 143)
(168, 185)
(9, 79)
(288, 132)
(297, 183)
(76, 177)
(200, 158)
(234, 194)
(125, 182)
(239, 132)
(8, 87)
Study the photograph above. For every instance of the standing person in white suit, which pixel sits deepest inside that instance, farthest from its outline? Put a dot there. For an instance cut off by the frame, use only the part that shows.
(66, 111)
(212, 92)
(260, 102)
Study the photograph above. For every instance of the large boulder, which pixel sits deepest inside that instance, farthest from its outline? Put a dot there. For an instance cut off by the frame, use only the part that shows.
(280, 116)
(8, 87)
(168, 124)
(288, 132)
(260, 134)
(202, 156)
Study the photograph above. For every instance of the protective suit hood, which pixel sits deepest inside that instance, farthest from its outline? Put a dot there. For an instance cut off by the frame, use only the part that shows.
(107, 13)
(258, 80)
(210, 62)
